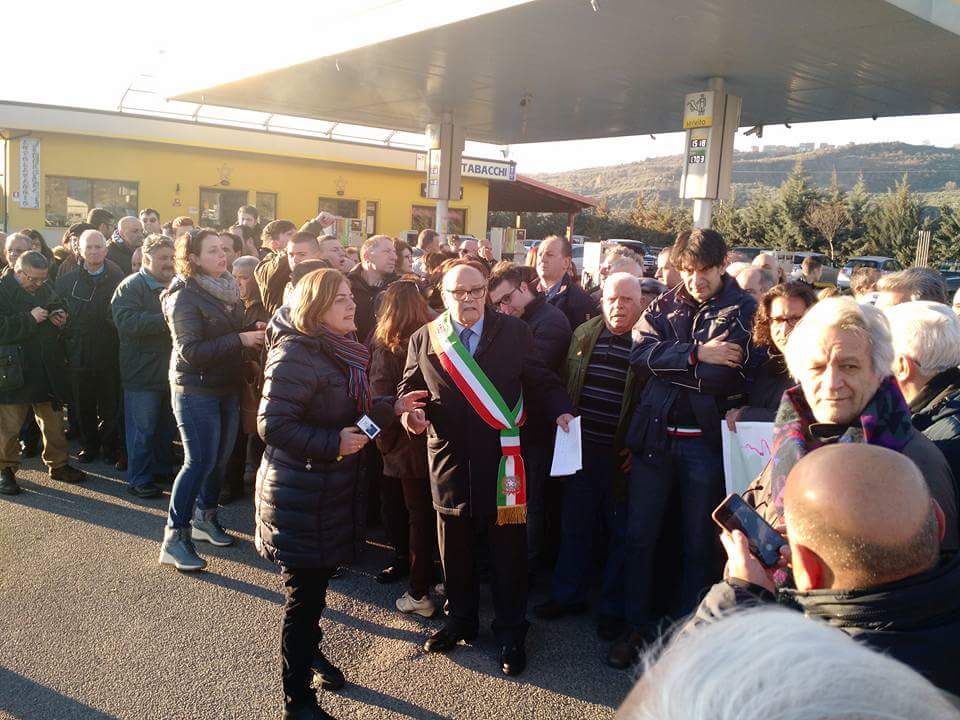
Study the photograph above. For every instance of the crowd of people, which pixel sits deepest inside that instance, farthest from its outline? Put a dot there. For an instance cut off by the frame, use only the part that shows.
(433, 380)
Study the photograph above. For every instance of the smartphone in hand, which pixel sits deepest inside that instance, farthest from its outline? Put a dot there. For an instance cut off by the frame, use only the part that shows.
(765, 542)
(368, 427)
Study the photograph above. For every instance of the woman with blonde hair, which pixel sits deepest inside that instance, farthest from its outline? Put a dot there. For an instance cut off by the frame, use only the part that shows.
(406, 502)
(310, 501)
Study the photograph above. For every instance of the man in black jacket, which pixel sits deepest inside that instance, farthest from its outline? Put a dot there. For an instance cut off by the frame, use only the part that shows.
(691, 345)
(492, 356)
(273, 272)
(864, 538)
(378, 260)
(33, 369)
(514, 291)
(126, 239)
(554, 265)
(93, 348)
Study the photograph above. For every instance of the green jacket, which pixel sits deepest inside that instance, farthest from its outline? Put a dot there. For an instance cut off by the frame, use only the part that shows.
(33, 359)
(575, 371)
(145, 343)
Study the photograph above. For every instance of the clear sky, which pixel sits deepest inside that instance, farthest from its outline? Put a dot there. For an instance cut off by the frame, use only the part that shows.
(88, 54)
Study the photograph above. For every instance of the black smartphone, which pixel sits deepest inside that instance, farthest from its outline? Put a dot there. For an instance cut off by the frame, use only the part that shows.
(765, 542)
(54, 307)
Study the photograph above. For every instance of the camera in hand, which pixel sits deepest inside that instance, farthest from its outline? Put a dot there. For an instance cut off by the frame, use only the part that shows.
(765, 542)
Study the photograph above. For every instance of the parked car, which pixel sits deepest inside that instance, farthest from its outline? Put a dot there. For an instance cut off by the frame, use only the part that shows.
(883, 264)
(951, 276)
(829, 271)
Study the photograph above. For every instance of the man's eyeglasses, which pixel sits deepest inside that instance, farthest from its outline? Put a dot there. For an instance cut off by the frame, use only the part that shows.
(506, 299)
(462, 293)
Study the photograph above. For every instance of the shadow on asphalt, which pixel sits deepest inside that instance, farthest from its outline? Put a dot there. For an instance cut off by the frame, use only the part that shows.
(24, 698)
(366, 696)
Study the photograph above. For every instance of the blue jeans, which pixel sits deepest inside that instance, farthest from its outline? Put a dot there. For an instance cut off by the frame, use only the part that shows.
(208, 428)
(696, 469)
(150, 431)
(589, 496)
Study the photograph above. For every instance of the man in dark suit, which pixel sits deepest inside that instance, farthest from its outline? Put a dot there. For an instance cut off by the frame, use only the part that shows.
(492, 357)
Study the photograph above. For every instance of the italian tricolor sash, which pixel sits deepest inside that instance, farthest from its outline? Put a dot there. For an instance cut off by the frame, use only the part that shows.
(486, 400)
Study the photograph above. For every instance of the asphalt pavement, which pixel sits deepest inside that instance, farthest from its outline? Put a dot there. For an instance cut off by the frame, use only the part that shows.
(94, 629)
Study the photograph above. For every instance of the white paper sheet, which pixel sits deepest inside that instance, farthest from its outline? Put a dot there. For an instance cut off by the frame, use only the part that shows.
(567, 455)
(745, 453)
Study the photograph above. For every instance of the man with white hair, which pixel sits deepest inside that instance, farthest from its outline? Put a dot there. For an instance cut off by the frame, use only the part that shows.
(768, 663)
(126, 238)
(926, 346)
(841, 354)
(768, 261)
(14, 246)
(604, 389)
(911, 284)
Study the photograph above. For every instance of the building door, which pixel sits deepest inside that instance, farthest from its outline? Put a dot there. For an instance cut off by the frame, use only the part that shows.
(218, 208)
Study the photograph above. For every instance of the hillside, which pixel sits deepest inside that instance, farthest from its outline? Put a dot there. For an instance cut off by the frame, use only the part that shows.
(932, 171)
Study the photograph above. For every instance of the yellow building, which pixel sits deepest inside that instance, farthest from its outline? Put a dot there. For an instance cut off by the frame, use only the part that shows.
(60, 162)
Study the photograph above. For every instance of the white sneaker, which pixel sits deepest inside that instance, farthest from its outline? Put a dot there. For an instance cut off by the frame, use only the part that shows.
(408, 605)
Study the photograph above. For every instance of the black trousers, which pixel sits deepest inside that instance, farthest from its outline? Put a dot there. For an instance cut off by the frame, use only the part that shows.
(306, 593)
(460, 539)
(96, 396)
(411, 522)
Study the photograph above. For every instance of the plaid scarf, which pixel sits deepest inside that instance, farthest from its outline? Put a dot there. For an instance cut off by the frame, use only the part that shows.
(885, 421)
(355, 358)
(116, 236)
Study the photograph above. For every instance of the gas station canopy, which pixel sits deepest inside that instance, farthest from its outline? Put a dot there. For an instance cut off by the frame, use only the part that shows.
(560, 70)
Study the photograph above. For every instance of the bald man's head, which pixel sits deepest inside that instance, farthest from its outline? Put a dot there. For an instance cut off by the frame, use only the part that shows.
(865, 512)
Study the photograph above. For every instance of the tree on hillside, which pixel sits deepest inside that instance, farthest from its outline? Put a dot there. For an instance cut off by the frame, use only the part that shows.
(830, 217)
(946, 242)
(727, 220)
(893, 225)
(760, 220)
(859, 206)
(797, 196)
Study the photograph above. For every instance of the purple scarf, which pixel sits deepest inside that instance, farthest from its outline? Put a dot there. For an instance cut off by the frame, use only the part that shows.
(355, 358)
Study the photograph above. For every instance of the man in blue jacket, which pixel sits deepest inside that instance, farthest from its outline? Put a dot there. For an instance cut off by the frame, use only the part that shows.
(691, 345)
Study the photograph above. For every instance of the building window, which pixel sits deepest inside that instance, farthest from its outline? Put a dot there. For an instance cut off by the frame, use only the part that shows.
(370, 224)
(339, 207)
(218, 208)
(425, 216)
(69, 199)
(267, 207)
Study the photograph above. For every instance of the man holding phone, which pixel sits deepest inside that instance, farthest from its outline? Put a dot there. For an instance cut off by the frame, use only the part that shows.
(32, 361)
(865, 537)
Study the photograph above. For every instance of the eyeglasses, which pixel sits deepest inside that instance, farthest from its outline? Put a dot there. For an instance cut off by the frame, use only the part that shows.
(790, 320)
(462, 293)
(506, 299)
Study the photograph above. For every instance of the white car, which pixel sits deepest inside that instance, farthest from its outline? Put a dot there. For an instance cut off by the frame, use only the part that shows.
(883, 264)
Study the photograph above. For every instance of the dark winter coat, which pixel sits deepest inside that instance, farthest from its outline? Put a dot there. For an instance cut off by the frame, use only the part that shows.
(664, 352)
(310, 506)
(463, 451)
(122, 255)
(936, 413)
(366, 296)
(915, 620)
(272, 276)
(404, 455)
(206, 355)
(145, 343)
(551, 339)
(92, 341)
(574, 302)
(33, 358)
(766, 385)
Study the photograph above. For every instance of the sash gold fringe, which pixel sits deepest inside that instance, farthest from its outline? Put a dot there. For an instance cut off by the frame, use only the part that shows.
(512, 515)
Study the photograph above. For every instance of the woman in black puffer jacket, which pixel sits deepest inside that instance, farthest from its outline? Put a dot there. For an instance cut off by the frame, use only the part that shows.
(310, 501)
